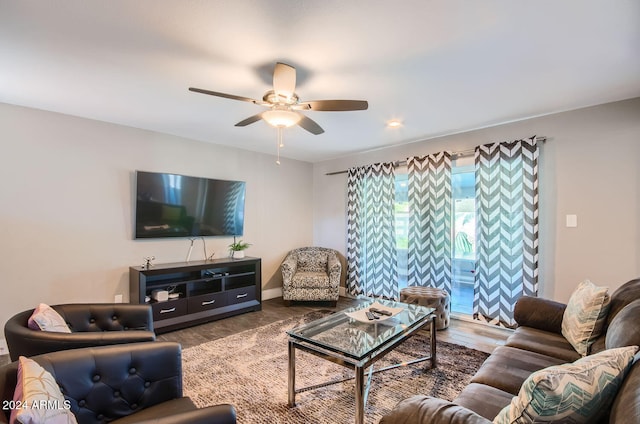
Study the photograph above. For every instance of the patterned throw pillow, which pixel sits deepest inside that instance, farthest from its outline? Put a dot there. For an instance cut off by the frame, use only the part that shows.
(45, 318)
(585, 316)
(577, 393)
(37, 398)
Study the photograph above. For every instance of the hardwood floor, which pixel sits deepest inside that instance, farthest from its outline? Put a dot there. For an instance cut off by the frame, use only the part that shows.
(471, 334)
(474, 335)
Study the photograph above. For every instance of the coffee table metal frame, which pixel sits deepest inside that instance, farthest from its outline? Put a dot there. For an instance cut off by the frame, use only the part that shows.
(358, 363)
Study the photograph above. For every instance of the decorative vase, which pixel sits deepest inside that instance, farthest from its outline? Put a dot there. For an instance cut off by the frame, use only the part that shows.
(238, 254)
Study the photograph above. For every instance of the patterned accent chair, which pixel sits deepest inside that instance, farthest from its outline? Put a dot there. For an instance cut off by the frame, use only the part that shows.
(311, 274)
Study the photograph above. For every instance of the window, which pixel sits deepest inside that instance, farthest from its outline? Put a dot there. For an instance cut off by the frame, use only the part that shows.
(464, 247)
(402, 226)
(463, 263)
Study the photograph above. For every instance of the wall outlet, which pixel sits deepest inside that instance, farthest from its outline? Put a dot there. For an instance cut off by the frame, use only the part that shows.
(118, 298)
(4, 350)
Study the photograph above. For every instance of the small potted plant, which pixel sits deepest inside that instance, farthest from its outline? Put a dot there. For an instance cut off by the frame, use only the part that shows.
(237, 249)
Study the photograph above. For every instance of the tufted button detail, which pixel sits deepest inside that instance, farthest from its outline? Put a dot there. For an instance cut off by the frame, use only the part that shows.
(147, 384)
(114, 317)
(126, 328)
(116, 394)
(99, 417)
(134, 405)
(82, 403)
(96, 377)
(92, 320)
(132, 370)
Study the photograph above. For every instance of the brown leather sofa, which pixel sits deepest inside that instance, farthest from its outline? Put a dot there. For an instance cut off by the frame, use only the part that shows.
(95, 324)
(121, 384)
(537, 343)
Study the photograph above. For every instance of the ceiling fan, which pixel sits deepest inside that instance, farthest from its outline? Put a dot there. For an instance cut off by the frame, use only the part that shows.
(284, 104)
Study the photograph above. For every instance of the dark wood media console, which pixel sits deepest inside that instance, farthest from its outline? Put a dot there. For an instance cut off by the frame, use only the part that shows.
(202, 290)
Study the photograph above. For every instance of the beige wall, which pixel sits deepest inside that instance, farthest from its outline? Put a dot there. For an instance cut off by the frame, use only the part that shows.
(66, 206)
(589, 167)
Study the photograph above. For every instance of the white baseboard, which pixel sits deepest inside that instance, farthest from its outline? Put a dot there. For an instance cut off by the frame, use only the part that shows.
(277, 292)
(271, 293)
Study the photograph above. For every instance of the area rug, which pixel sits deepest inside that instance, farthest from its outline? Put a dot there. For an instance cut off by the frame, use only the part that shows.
(249, 371)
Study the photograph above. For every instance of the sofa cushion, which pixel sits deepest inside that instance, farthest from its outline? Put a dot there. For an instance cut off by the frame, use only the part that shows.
(579, 392)
(544, 342)
(313, 261)
(484, 400)
(624, 329)
(585, 315)
(508, 367)
(307, 279)
(626, 406)
(39, 396)
(427, 409)
(45, 318)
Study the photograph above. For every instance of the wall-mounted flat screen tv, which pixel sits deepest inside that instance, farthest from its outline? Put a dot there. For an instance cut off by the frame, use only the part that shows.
(171, 205)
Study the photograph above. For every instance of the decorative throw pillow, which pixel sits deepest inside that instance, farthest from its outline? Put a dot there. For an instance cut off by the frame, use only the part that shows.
(585, 316)
(37, 397)
(46, 318)
(576, 393)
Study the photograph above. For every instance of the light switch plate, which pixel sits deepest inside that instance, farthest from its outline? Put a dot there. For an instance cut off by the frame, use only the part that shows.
(572, 221)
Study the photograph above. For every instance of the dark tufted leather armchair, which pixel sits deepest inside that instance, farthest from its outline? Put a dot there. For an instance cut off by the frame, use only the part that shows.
(121, 384)
(95, 324)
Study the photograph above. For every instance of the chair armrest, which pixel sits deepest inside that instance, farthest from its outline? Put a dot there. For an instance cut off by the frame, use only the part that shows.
(430, 410)
(542, 314)
(288, 268)
(217, 414)
(106, 316)
(23, 341)
(334, 267)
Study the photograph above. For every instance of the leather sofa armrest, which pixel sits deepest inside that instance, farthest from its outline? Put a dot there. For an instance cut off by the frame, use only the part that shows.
(427, 409)
(217, 414)
(107, 316)
(23, 341)
(539, 313)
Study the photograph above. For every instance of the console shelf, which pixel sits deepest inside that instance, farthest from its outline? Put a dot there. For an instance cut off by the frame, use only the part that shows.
(202, 290)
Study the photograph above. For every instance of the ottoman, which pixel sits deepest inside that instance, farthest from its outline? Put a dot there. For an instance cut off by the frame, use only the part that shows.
(432, 298)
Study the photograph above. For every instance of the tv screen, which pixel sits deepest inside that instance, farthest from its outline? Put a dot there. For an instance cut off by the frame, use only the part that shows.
(171, 205)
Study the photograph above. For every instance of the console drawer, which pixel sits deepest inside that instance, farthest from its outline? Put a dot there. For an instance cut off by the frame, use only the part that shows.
(243, 294)
(205, 302)
(169, 309)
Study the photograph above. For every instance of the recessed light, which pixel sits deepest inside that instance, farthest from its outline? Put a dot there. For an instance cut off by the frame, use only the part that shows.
(394, 123)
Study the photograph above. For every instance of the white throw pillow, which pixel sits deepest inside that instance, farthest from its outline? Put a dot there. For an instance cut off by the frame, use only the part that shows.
(45, 318)
(37, 398)
(585, 315)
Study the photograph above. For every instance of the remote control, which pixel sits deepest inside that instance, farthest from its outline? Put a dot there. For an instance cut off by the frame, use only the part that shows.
(370, 316)
(380, 311)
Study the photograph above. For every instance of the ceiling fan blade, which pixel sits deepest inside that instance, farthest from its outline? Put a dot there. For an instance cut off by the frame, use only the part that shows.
(284, 80)
(249, 120)
(334, 105)
(310, 125)
(226, 96)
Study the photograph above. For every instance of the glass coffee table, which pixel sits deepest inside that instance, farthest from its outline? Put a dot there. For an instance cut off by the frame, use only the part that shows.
(348, 338)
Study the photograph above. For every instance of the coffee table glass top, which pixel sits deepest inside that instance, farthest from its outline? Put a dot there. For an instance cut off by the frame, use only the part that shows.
(347, 336)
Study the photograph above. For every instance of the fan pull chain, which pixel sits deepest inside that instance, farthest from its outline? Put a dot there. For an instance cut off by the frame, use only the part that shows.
(279, 143)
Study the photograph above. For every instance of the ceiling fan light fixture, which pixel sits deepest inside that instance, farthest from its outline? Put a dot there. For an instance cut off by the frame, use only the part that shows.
(281, 117)
(394, 123)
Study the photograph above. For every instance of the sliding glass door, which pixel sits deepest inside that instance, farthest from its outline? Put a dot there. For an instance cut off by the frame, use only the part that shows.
(464, 244)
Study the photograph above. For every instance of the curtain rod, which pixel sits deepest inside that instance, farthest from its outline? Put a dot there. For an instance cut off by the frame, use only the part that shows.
(454, 155)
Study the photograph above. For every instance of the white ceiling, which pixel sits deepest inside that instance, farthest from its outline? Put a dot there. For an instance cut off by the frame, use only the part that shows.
(441, 66)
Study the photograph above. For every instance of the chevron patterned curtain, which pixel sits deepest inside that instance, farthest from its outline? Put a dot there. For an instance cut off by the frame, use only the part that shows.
(506, 228)
(371, 244)
(429, 248)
